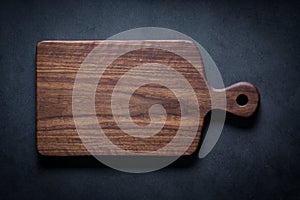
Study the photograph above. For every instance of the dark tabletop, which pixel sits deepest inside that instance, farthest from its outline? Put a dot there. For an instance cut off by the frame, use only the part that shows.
(256, 158)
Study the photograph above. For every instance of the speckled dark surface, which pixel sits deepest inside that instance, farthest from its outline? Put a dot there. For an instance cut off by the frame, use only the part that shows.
(257, 158)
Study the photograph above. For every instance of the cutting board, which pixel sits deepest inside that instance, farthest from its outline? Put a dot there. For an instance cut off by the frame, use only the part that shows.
(57, 74)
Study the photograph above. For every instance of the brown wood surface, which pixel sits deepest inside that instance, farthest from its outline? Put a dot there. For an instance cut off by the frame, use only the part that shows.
(57, 64)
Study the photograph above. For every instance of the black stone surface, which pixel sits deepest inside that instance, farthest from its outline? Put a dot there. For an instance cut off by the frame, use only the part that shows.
(255, 41)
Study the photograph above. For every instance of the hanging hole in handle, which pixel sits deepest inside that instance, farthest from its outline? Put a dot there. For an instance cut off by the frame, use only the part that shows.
(242, 100)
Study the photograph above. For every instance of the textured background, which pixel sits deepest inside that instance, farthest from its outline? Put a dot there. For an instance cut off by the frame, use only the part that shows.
(257, 158)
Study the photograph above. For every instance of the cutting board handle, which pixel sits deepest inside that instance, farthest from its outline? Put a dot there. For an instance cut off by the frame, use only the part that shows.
(242, 99)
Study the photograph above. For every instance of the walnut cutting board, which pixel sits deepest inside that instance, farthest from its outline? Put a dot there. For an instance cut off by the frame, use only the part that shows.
(58, 64)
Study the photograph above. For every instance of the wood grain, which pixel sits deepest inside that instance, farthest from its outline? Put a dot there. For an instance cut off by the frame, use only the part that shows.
(58, 62)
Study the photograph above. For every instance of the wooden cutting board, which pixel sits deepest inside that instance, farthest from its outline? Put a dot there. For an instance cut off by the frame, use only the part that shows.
(58, 64)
